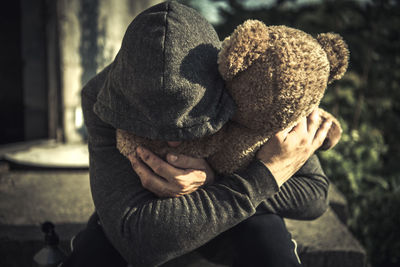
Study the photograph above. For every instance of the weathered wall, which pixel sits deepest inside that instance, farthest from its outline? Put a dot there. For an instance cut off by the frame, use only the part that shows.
(11, 86)
(90, 36)
(33, 52)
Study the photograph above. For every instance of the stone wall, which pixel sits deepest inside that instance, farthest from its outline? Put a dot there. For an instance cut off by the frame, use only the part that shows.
(33, 53)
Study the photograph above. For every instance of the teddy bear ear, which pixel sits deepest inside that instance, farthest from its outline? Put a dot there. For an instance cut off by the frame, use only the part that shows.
(338, 54)
(242, 48)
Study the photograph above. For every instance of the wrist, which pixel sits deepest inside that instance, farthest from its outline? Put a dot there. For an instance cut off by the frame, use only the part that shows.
(280, 174)
(260, 182)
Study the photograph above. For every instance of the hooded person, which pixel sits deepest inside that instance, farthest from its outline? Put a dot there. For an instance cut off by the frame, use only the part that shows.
(164, 85)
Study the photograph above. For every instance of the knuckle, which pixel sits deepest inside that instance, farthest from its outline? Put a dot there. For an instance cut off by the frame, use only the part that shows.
(303, 141)
(313, 118)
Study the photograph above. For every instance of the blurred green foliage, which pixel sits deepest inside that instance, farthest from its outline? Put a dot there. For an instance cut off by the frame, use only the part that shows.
(365, 164)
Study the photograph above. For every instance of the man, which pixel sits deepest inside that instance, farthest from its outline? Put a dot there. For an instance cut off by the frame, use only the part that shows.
(164, 85)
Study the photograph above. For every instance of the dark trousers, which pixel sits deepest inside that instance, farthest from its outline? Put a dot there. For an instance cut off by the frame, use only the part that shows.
(261, 240)
(90, 247)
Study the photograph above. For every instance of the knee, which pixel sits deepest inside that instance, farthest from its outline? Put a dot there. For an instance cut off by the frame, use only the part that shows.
(262, 231)
(262, 224)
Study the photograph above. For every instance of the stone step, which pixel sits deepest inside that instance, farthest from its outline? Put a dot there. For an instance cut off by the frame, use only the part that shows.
(338, 203)
(326, 242)
(28, 198)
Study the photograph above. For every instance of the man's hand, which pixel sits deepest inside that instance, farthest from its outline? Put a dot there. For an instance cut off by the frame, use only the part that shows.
(178, 176)
(286, 152)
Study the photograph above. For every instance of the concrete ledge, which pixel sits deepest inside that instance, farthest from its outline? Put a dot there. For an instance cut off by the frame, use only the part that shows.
(326, 242)
(29, 198)
(338, 203)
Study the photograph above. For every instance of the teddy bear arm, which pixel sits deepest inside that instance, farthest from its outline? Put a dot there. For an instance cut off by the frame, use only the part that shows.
(239, 149)
(229, 160)
(126, 143)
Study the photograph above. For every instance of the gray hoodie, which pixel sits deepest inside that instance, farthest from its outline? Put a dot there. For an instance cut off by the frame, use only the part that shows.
(164, 83)
(145, 229)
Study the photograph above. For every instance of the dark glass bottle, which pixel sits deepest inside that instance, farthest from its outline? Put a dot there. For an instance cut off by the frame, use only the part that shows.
(50, 255)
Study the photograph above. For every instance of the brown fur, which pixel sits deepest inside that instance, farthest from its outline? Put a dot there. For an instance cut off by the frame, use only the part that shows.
(276, 75)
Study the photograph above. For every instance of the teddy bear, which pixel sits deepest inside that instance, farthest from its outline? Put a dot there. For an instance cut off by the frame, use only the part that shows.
(276, 75)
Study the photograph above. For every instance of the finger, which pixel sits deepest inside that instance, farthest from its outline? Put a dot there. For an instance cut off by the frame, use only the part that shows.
(333, 137)
(149, 180)
(159, 166)
(186, 162)
(298, 135)
(300, 127)
(321, 133)
(334, 134)
(313, 121)
(282, 135)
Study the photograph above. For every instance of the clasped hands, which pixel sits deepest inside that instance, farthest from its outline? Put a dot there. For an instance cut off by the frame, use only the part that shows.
(283, 154)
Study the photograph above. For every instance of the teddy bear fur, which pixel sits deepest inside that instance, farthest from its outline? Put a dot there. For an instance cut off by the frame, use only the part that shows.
(276, 75)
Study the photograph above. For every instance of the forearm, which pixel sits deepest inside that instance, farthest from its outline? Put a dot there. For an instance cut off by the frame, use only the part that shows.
(302, 197)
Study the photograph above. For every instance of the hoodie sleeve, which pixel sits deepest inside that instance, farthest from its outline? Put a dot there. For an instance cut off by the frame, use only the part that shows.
(303, 197)
(148, 230)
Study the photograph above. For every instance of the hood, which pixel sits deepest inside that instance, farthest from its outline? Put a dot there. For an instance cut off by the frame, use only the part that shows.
(164, 83)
